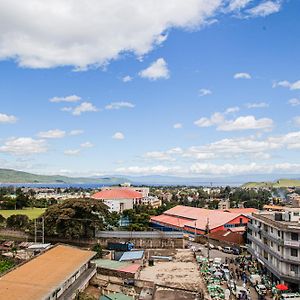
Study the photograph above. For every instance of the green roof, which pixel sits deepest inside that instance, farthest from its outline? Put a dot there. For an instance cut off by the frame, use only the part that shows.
(117, 296)
(111, 264)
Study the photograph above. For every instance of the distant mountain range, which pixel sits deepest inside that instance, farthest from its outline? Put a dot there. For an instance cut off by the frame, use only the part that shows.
(13, 176)
(281, 183)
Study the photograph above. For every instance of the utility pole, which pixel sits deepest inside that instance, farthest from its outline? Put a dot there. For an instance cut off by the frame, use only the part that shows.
(208, 246)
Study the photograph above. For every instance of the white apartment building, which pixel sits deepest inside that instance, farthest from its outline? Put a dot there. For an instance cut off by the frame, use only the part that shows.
(274, 240)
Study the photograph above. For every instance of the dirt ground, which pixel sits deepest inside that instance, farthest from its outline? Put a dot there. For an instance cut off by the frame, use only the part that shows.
(181, 272)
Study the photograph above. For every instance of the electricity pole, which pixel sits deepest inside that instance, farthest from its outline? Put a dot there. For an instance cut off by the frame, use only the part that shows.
(207, 234)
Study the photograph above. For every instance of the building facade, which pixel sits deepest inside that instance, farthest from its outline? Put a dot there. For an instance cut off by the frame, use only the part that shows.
(274, 240)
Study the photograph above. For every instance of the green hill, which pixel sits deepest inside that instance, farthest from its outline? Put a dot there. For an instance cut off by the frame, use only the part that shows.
(12, 176)
(281, 183)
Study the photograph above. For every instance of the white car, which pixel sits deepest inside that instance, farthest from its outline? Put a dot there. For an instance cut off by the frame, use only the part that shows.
(261, 289)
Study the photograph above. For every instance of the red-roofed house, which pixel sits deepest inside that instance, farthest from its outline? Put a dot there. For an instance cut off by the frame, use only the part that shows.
(119, 199)
(195, 220)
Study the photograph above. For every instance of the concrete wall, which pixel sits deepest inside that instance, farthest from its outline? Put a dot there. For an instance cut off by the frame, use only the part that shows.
(177, 243)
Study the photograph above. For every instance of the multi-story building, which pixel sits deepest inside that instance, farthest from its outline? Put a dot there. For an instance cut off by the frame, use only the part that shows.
(274, 240)
(119, 199)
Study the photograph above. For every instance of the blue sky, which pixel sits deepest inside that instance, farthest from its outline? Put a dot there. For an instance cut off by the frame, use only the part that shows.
(197, 88)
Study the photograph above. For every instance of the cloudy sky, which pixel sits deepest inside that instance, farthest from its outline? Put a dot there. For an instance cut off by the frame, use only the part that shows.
(188, 88)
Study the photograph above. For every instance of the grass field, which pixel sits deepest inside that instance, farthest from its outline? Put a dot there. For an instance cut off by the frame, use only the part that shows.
(32, 213)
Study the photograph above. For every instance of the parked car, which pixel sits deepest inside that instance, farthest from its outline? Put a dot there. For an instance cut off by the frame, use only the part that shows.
(236, 251)
(227, 250)
(261, 289)
(219, 248)
(292, 296)
(240, 291)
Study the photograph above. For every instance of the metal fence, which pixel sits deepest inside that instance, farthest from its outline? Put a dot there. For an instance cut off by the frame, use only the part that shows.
(139, 234)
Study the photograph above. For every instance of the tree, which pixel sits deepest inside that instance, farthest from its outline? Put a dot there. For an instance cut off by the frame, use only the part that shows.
(18, 222)
(76, 218)
(98, 249)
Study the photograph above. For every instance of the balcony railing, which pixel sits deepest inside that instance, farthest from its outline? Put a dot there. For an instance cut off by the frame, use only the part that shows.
(289, 259)
(289, 276)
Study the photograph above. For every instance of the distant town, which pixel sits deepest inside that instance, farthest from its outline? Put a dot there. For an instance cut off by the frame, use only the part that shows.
(155, 242)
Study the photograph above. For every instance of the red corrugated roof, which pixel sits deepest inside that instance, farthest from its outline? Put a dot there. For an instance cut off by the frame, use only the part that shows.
(121, 193)
(181, 216)
(172, 221)
(245, 211)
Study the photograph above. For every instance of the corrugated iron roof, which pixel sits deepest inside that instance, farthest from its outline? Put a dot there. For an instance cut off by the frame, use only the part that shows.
(132, 255)
(39, 277)
(121, 193)
(181, 216)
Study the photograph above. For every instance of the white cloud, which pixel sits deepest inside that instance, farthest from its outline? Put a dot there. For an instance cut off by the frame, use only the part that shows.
(160, 169)
(230, 110)
(86, 145)
(245, 123)
(156, 70)
(291, 85)
(216, 118)
(72, 98)
(76, 132)
(127, 78)
(296, 121)
(294, 102)
(52, 134)
(257, 105)
(265, 8)
(177, 126)
(118, 136)
(238, 4)
(40, 34)
(204, 92)
(23, 146)
(237, 169)
(82, 108)
(119, 105)
(242, 76)
(157, 155)
(71, 152)
(4, 118)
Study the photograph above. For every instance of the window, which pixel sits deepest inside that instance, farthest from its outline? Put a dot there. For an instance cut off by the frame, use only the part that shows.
(278, 233)
(278, 248)
(271, 244)
(294, 268)
(294, 252)
(271, 229)
(294, 236)
(241, 220)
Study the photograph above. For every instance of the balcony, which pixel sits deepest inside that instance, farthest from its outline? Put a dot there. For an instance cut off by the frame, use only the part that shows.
(289, 259)
(288, 276)
(291, 243)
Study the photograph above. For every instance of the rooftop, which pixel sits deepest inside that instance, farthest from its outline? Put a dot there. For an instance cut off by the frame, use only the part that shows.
(269, 218)
(180, 216)
(117, 193)
(122, 266)
(39, 277)
(132, 255)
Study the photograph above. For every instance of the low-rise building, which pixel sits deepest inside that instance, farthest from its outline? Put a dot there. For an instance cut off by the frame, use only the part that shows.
(274, 240)
(119, 199)
(200, 220)
(58, 273)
